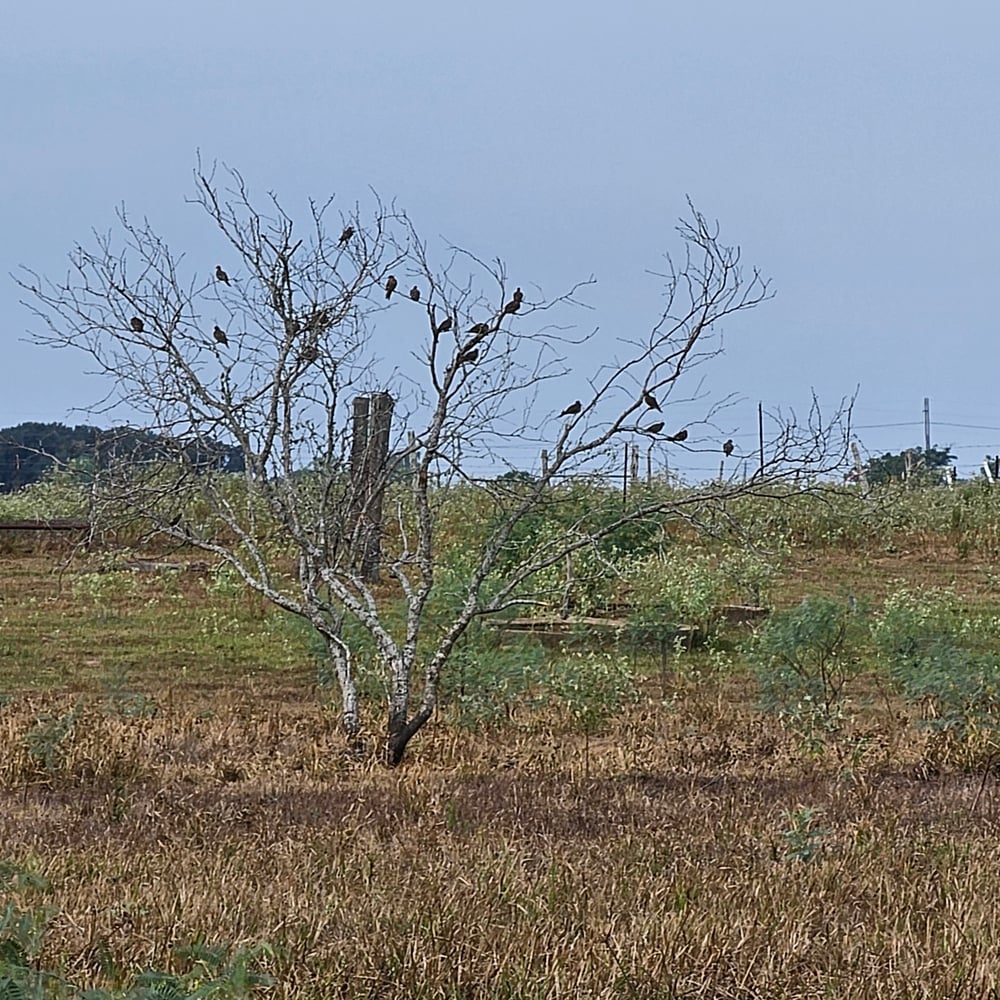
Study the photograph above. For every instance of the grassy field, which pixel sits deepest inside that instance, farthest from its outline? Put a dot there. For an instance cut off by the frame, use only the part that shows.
(173, 782)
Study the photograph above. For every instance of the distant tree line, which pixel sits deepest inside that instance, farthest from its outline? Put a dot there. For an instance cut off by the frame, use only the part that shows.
(31, 450)
(911, 464)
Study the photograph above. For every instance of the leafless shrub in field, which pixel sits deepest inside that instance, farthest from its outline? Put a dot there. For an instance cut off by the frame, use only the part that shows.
(248, 377)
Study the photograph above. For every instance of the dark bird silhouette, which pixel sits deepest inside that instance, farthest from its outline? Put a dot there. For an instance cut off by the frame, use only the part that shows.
(444, 326)
(390, 285)
(654, 428)
(415, 293)
(221, 275)
(518, 296)
(318, 319)
(679, 436)
(346, 235)
(727, 448)
(468, 356)
(650, 400)
(572, 410)
(511, 307)
(220, 336)
(137, 325)
(479, 329)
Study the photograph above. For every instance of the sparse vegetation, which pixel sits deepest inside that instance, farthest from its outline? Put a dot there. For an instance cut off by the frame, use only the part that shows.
(180, 814)
(271, 444)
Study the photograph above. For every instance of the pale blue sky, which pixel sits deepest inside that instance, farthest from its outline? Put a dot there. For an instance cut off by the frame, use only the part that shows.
(852, 150)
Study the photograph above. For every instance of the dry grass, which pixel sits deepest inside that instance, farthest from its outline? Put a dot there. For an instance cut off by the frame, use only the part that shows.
(875, 574)
(496, 868)
(652, 862)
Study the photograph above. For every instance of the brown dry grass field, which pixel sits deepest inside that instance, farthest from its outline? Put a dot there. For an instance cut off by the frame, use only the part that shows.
(198, 791)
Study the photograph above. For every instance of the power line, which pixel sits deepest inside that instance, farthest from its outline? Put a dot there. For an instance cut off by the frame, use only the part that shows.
(906, 423)
(971, 427)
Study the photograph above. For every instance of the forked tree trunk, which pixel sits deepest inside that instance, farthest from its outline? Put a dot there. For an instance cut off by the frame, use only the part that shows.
(399, 700)
(401, 729)
(350, 707)
(400, 734)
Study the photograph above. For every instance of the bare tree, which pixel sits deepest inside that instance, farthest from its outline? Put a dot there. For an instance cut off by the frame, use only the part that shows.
(301, 317)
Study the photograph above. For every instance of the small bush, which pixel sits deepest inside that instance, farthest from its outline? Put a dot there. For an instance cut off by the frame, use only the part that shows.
(929, 643)
(804, 657)
(592, 687)
(46, 741)
(487, 678)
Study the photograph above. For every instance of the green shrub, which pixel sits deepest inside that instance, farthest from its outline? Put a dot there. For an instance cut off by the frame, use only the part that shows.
(487, 677)
(592, 686)
(804, 657)
(911, 621)
(939, 656)
(46, 741)
(24, 918)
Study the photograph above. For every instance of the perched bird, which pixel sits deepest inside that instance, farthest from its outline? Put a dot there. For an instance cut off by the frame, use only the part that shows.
(467, 357)
(444, 326)
(511, 307)
(479, 329)
(346, 235)
(654, 428)
(650, 400)
(572, 410)
(727, 448)
(518, 296)
(415, 293)
(679, 436)
(137, 325)
(318, 319)
(221, 275)
(220, 335)
(390, 285)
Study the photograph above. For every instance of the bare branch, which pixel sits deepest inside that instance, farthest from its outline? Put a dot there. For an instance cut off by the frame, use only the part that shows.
(264, 353)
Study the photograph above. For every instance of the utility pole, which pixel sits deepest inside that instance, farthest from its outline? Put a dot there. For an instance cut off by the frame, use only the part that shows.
(625, 477)
(760, 434)
(927, 424)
